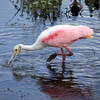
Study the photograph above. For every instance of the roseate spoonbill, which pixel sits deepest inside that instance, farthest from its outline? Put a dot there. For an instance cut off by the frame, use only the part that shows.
(60, 36)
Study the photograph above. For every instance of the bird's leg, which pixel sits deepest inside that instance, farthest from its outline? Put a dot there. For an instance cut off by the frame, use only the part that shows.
(63, 57)
(63, 54)
(69, 50)
(51, 57)
(54, 55)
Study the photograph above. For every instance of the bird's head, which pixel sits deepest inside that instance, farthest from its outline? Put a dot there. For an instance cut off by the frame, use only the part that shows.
(16, 50)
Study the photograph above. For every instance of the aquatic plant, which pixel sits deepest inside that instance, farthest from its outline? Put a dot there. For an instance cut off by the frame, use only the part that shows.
(43, 9)
(92, 5)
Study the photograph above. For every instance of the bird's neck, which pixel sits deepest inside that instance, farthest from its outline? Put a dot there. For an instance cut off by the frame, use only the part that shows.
(32, 47)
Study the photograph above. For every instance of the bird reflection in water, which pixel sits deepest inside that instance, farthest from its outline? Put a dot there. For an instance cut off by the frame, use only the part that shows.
(60, 87)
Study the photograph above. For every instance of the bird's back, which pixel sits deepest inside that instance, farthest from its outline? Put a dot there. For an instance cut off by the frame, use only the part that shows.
(61, 35)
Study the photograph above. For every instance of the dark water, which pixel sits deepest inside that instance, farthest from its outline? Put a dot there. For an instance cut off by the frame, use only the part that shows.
(29, 77)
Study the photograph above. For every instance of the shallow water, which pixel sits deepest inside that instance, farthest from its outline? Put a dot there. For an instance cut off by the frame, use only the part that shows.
(29, 77)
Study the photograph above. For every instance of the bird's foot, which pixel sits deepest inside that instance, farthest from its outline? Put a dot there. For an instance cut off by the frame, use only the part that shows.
(51, 57)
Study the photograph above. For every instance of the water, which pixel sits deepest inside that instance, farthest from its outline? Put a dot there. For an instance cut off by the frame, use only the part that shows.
(29, 77)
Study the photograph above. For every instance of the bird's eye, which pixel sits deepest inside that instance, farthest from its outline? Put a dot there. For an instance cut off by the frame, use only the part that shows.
(15, 49)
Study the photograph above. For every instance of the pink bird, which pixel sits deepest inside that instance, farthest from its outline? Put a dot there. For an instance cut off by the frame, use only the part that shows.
(60, 36)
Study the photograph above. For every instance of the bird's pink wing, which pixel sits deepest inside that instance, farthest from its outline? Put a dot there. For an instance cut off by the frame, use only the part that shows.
(65, 36)
(59, 38)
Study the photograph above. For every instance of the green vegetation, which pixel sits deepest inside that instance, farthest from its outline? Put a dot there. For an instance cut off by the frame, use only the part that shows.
(45, 9)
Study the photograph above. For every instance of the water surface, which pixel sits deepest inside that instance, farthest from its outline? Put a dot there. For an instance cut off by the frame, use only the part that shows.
(29, 77)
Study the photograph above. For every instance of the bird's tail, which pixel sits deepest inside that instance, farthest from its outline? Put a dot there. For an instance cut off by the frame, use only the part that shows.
(86, 31)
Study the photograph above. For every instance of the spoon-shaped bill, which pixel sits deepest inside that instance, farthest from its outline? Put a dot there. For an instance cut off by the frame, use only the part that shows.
(12, 58)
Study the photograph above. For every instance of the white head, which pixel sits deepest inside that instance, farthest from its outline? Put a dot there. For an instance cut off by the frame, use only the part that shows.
(16, 50)
(22, 48)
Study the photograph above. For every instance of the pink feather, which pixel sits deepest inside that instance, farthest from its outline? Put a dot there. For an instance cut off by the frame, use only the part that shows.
(65, 35)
